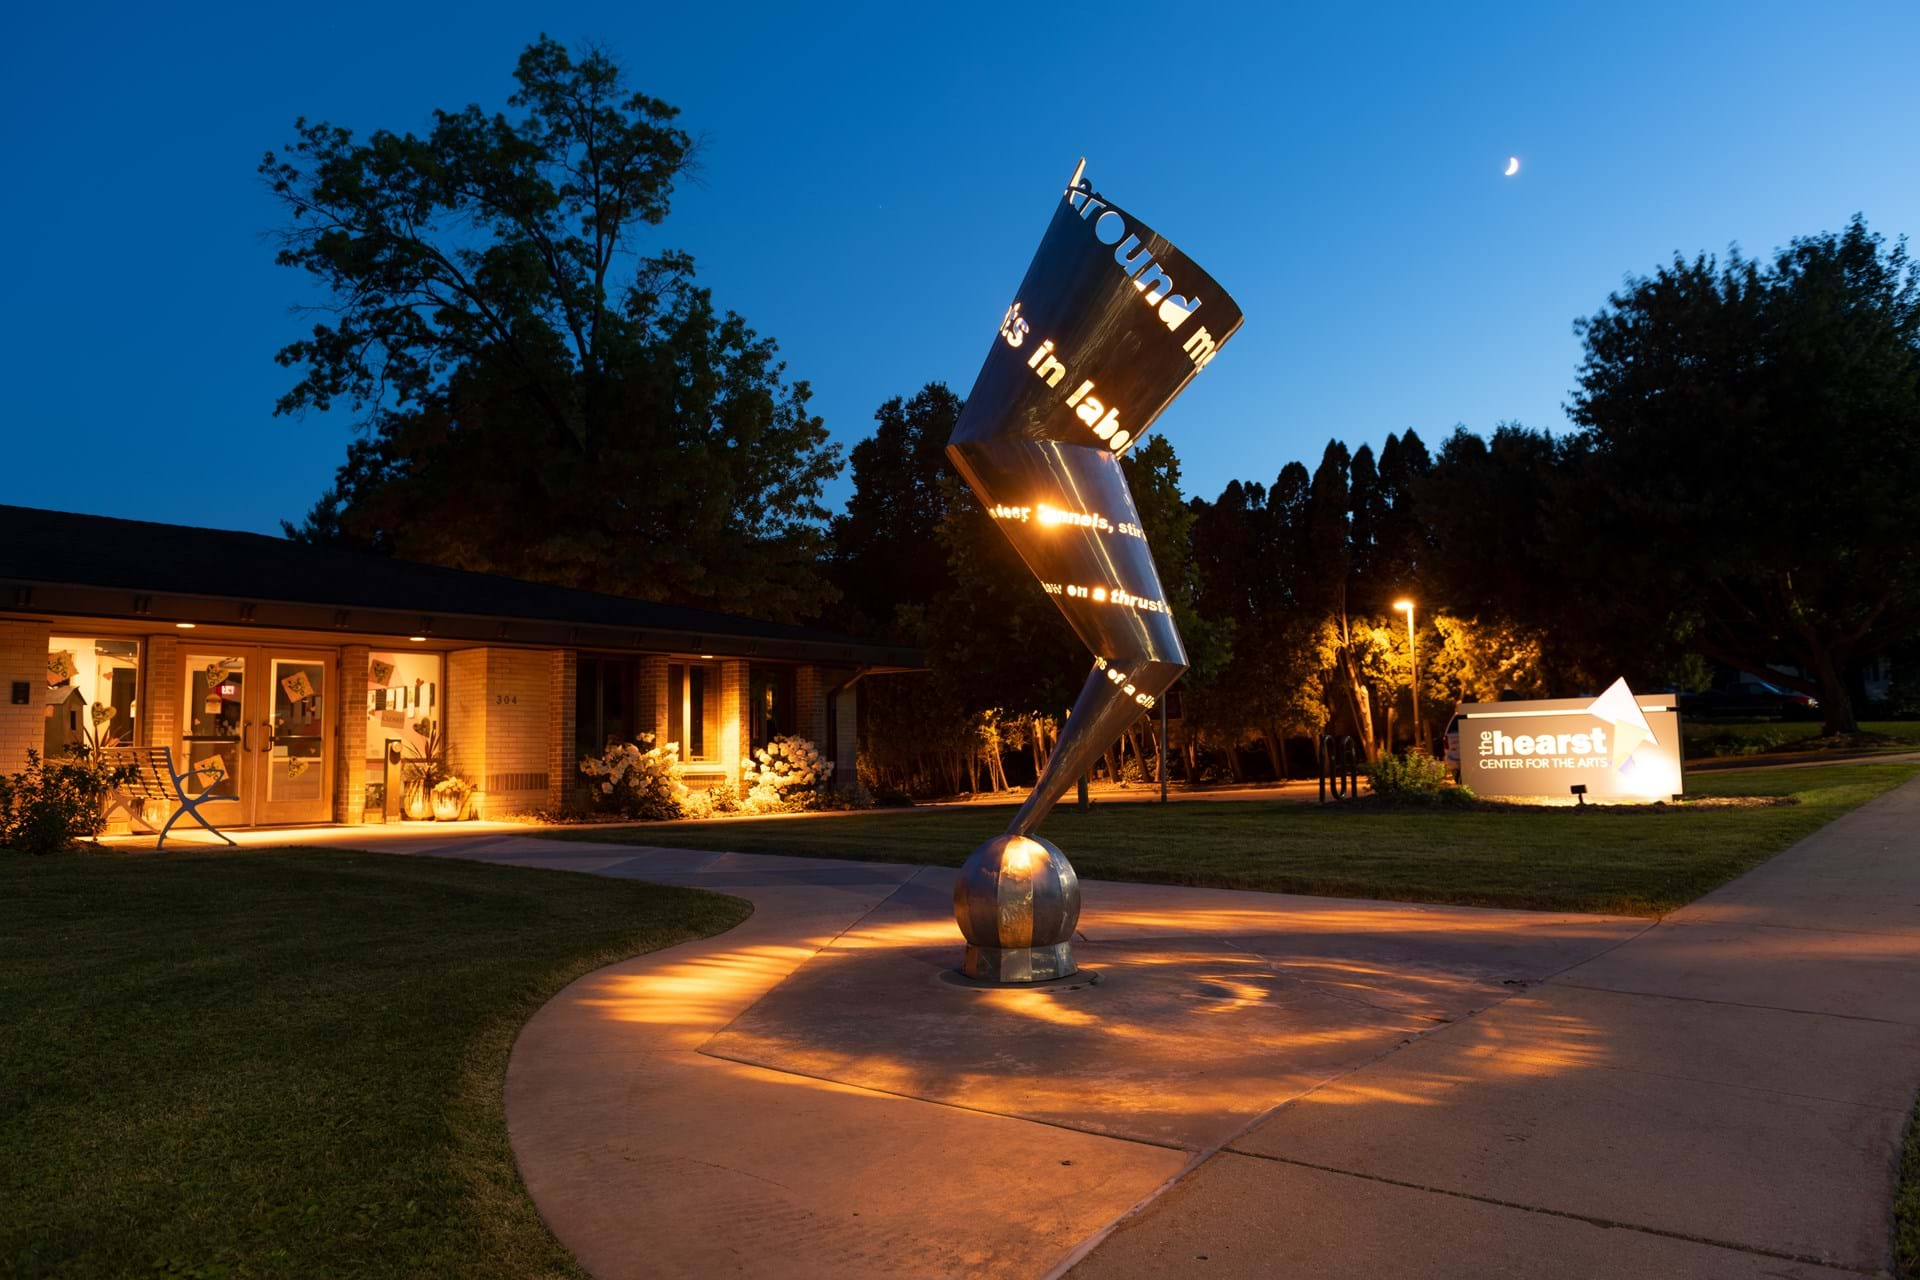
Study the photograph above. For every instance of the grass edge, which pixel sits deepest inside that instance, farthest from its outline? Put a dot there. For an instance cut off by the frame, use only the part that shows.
(1906, 1202)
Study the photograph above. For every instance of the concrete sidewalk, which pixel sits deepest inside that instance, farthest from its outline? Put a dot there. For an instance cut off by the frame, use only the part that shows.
(1721, 1096)
(1243, 1083)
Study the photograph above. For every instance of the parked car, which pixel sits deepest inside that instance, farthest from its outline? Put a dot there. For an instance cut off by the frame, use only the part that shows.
(1749, 698)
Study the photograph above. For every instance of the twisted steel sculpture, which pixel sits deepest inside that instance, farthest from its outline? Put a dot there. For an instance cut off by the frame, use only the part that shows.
(1110, 324)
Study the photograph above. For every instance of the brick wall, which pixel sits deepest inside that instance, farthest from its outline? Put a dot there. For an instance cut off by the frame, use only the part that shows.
(846, 747)
(809, 705)
(23, 656)
(466, 702)
(563, 774)
(736, 731)
(650, 709)
(497, 725)
(160, 694)
(350, 735)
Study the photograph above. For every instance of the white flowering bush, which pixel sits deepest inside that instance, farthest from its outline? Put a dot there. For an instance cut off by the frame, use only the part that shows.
(786, 774)
(637, 782)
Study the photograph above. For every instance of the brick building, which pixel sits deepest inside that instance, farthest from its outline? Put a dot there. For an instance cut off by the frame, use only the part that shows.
(305, 674)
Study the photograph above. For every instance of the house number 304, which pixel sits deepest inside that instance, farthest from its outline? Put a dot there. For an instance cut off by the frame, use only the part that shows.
(506, 699)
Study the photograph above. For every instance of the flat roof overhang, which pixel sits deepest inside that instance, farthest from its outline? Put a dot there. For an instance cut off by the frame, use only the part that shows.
(29, 598)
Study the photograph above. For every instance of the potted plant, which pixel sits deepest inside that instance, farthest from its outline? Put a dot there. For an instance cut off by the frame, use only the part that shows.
(424, 769)
(451, 798)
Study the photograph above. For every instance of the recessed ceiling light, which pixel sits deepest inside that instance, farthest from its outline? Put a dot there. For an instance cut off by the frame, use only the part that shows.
(707, 656)
(184, 626)
(418, 639)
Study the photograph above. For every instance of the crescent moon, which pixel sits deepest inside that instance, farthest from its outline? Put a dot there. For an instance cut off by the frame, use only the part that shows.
(1513, 165)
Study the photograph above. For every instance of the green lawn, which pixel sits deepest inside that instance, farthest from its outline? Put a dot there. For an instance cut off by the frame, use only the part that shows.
(285, 1063)
(1619, 860)
(1906, 1206)
(1707, 738)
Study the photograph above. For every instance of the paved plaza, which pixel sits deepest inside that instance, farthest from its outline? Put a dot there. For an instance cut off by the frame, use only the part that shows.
(1238, 1084)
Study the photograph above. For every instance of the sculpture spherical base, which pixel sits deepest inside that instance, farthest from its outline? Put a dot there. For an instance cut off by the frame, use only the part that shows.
(1017, 901)
(1019, 964)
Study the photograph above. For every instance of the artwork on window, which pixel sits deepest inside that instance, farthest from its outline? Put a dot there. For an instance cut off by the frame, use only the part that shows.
(92, 688)
(297, 687)
(400, 687)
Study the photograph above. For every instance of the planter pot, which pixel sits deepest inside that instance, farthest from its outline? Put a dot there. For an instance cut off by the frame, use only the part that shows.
(415, 806)
(448, 807)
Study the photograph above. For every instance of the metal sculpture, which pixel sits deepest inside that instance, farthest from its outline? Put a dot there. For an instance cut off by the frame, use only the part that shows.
(1110, 324)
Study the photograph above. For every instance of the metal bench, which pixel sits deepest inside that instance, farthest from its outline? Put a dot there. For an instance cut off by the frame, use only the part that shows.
(147, 773)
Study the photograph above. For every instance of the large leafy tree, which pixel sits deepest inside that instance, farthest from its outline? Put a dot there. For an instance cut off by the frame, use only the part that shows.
(886, 543)
(538, 397)
(1751, 456)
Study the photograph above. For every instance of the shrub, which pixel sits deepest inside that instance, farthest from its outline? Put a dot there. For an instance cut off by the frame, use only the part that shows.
(635, 782)
(1415, 778)
(50, 804)
(880, 788)
(784, 775)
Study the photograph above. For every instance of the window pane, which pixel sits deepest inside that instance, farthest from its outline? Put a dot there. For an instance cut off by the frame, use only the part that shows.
(90, 697)
(771, 709)
(615, 676)
(696, 713)
(216, 702)
(403, 703)
(677, 708)
(296, 765)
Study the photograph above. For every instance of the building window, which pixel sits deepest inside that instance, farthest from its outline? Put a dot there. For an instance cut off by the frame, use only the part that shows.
(771, 705)
(92, 694)
(607, 706)
(693, 709)
(404, 704)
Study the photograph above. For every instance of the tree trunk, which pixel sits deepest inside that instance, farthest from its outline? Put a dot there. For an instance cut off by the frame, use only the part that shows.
(1273, 754)
(1357, 696)
(1836, 700)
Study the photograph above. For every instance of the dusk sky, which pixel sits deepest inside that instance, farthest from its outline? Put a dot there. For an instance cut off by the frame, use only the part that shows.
(876, 179)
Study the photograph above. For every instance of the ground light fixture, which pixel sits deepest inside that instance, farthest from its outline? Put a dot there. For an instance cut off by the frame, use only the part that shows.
(1579, 792)
(1109, 325)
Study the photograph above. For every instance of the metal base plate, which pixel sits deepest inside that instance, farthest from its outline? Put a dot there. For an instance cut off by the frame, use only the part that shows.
(1019, 964)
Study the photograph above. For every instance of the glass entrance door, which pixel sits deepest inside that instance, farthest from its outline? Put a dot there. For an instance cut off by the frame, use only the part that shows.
(215, 733)
(257, 731)
(293, 741)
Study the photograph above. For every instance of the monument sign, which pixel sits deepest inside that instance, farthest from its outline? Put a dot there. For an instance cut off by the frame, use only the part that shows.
(1617, 746)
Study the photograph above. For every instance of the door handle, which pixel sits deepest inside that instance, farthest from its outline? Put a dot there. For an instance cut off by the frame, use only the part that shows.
(246, 730)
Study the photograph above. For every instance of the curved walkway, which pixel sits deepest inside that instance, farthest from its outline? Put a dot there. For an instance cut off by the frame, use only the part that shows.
(1255, 1084)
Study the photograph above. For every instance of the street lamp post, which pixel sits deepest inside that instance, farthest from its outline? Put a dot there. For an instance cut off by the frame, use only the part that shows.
(1413, 651)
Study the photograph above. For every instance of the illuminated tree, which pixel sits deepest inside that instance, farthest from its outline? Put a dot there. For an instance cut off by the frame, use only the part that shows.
(535, 398)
